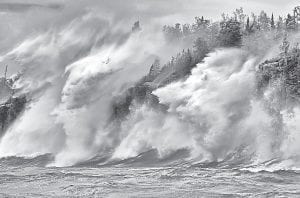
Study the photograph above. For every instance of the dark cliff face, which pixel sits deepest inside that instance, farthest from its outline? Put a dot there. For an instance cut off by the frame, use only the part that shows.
(278, 86)
(10, 106)
(5, 89)
(9, 111)
(283, 75)
(141, 93)
(279, 76)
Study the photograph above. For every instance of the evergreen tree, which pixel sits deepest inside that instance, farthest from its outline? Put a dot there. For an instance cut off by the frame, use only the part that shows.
(186, 30)
(200, 49)
(272, 22)
(173, 33)
(264, 21)
(136, 27)
(248, 28)
(230, 34)
(285, 45)
(240, 16)
(290, 23)
(200, 24)
(154, 69)
(255, 24)
(280, 24)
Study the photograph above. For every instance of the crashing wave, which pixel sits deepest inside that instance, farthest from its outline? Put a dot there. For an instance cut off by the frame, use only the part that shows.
(90, 101)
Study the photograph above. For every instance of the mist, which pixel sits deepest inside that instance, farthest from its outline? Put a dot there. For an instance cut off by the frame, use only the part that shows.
(77, 59)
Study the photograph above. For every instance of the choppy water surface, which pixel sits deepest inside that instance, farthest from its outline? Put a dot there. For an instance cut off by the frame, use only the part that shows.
(92, 85)
(31, 178)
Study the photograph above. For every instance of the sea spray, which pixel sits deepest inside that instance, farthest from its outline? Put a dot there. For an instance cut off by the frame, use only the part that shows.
(70, 78)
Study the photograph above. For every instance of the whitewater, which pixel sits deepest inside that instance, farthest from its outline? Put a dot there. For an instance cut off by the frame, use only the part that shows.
(212, 134)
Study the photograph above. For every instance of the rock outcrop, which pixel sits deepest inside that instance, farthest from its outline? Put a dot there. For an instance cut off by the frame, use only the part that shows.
(10, 106)
(141, 93)
(5, 89)
(283, 74)
(9, 111)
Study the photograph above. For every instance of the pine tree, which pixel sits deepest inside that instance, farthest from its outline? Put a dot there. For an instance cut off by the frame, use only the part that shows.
(280, 24)
(264, 21)
(136, 27)
(154, 69)
(272, 22)
(255, 24)
(290, 23)
(200, 24)
(248, 29)
(200, 49)
(230, 34)
(5, 73)
(173, 33)
(284, 47)
(240, 16)
(186, 30)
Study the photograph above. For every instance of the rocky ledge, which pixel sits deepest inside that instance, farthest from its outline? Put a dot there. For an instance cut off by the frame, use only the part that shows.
(282, 74)
(11, 106)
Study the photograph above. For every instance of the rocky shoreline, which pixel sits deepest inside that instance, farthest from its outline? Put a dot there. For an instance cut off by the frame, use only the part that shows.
(12, 107)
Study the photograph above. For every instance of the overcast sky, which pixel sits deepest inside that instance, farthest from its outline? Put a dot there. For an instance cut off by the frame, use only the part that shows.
(22, 18)
(212, 9)
(184, 9)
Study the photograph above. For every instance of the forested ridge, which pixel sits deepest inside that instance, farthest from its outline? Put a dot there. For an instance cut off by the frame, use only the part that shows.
(255, 33)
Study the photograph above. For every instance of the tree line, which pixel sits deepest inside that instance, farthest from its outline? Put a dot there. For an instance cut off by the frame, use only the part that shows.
(231, 29)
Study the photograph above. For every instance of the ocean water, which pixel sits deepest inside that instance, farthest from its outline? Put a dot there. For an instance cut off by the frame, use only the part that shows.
(215, 136)
(21, 177)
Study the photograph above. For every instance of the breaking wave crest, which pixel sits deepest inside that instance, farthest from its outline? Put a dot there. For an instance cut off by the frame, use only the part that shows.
(213, 116)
